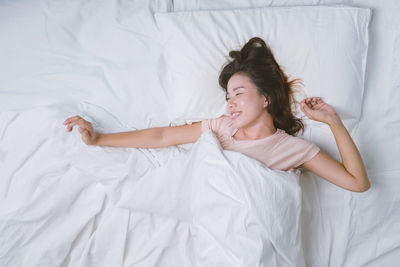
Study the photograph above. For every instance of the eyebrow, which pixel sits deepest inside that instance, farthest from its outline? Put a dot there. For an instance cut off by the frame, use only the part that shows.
(234, 89)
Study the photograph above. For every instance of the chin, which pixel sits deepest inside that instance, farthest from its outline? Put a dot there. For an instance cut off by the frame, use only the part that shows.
(237, 123)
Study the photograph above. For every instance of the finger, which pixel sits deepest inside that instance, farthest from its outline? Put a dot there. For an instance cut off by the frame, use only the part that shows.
(319, 102)
(302, 108)
(86, 126)
(81, 130)
(71, 125)
(307, 100)
(72, 122)
(307, 110)
(314, 100)
(79, 122)
(304, 111)
(70, 119)
(306, 104)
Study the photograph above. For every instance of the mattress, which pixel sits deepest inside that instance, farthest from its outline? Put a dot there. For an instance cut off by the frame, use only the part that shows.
(63, 203)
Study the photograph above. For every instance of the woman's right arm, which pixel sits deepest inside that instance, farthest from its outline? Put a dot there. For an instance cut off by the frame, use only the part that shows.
(146, 138)
(152, 137)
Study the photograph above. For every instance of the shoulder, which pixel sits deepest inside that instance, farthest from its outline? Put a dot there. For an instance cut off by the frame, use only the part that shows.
(221, 119)
(302, 147)
(217, 124)
(295, 149)
(300, 141)
(297, 144)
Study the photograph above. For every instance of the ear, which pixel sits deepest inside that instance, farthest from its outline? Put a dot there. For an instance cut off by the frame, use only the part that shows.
(266, 101)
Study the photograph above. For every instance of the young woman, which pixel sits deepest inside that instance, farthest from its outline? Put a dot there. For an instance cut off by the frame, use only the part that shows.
(260, 123)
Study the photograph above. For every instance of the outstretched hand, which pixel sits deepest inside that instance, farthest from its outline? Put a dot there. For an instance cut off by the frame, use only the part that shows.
(88, 134)
(316, 109)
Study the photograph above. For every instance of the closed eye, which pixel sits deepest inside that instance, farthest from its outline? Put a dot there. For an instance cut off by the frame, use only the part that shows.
(235, 95)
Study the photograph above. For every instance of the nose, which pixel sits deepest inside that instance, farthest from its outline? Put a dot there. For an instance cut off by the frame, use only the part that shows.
(231, 103)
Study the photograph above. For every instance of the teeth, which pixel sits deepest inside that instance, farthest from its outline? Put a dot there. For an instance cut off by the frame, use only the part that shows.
(235, 114)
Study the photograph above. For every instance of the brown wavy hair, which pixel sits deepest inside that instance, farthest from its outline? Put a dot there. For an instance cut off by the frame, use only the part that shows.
(256, 60)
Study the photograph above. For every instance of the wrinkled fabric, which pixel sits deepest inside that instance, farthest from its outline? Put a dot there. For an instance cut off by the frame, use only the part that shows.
(64, 203)
(279, 151)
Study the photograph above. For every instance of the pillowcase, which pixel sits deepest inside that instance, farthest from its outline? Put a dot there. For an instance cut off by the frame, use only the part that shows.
(325, 46)
(183, 5)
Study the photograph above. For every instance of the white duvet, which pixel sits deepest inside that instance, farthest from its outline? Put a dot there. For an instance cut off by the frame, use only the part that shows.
(63, 203)
(102, 206)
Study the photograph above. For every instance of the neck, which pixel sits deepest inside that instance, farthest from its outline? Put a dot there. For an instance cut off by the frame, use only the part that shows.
(260, 128)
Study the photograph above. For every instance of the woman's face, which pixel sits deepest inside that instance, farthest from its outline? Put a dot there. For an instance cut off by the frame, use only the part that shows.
(245, 104)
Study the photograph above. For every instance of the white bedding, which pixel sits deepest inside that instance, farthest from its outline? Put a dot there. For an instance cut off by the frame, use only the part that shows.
(100, 207)
(63, 203)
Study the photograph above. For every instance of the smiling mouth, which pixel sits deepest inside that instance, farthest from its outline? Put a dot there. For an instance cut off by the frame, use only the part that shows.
(235, 114)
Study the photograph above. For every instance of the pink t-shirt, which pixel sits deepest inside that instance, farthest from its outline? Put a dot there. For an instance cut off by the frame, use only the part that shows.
(279, 151)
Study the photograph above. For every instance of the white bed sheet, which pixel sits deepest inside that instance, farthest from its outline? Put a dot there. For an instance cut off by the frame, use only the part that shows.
(65, 204)
(103, 52)
(50, 56)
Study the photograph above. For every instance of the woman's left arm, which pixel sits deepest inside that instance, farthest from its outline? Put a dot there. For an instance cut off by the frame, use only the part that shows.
(350, 175)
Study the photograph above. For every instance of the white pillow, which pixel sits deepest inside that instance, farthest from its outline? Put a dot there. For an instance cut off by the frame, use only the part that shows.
(325, 46)
(184, 5)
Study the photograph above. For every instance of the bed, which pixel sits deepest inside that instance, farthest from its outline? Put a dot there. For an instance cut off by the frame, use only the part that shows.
(129, 65)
